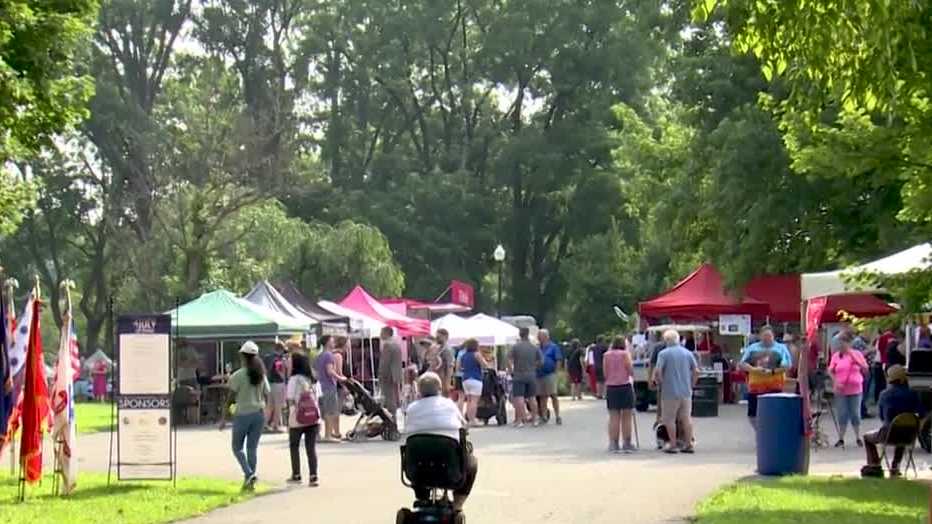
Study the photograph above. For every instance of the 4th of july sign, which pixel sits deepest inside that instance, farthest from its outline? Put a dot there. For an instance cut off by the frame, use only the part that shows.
(145, 447)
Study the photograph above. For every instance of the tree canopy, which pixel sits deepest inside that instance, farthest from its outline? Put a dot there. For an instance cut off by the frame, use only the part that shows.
(166, 148)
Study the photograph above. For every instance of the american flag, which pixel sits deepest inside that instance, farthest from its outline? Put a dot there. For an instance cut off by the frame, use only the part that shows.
(75, 353)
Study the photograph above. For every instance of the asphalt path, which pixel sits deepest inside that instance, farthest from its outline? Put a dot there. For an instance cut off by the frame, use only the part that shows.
(530, 475)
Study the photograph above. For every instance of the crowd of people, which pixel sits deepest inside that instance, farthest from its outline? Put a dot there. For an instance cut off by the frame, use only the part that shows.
(438, 388)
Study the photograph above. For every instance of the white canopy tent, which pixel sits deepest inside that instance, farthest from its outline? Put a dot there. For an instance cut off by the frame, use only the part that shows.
(833, 282)
(358, 321)
(460, 329)
(492, 331)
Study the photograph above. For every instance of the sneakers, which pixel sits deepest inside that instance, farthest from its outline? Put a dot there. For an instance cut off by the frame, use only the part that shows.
(894, 474)
(860, 443)
(559, 421)
(294, 479)
(872, 472)
(840, 444)
(313, 481)
(627, 448)
(671, 450)
(689, 450)
(613, 447)
(250, 483)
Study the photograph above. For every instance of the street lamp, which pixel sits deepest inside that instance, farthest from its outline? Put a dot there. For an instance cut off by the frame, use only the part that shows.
(499, 256)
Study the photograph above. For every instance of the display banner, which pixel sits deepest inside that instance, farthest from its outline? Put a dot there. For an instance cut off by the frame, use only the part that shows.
(815, 307)
(734, 324)
(145, 428)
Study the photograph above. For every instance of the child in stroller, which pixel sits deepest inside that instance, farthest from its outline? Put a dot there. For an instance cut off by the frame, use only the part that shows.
(374, 419)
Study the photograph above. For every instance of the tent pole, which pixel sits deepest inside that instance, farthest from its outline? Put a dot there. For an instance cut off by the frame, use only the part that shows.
(349, 355)
(376, 387)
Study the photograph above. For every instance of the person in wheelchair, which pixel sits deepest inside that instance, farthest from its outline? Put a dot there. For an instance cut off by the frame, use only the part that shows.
(895, 400)
(436, 416)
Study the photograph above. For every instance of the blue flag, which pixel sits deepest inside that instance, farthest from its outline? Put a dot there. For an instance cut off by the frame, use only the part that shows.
(6, 399)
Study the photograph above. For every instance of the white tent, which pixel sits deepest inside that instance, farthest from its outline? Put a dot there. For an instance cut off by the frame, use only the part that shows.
(265, 295)
(492, 331)
(833, 282)
(460, 329)
(98, 356)
(358, 321)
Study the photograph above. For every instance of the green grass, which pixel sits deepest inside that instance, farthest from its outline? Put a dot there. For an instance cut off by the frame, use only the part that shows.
(817, 500)
(92, 417)
(124, 502)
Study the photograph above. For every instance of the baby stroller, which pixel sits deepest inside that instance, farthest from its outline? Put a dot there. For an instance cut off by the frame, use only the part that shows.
(493, 401)
(374, 420)
(436, 465)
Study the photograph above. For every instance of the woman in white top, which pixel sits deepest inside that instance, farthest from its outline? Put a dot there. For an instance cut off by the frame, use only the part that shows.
(303, 418)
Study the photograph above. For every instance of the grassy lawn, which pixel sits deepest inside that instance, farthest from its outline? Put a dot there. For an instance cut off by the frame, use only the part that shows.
(125, 503)
(817, 500)
(92, 417)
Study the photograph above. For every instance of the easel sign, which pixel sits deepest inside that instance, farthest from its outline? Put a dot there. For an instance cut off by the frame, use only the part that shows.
(145, 429)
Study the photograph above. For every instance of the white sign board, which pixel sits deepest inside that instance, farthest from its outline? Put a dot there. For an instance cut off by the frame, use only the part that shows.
(144, 420)
(145, 443)
(144, 368)
(734, 325)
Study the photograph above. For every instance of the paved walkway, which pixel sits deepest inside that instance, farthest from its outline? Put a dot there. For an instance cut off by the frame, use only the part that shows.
(532, 475)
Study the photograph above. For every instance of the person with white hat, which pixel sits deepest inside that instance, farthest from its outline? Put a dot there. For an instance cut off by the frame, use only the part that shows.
(249, 391)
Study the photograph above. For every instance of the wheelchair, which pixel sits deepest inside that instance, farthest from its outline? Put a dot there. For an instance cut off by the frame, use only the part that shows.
(437, 466)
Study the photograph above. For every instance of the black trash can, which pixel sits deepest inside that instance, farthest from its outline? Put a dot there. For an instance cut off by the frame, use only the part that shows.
(705, 398)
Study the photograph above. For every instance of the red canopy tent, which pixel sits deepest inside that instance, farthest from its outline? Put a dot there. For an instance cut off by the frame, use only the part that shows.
(701, 295)
(783, 293)
(361, 301)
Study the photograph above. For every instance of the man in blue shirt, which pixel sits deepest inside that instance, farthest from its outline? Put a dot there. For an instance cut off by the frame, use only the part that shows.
(894, 401)
(765, 357)
(677, 372)
(547, 377)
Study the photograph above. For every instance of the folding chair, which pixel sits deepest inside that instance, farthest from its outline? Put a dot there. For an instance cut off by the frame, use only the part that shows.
(903, 432)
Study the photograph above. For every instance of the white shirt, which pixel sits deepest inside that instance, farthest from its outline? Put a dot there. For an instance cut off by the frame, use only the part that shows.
(434, 416)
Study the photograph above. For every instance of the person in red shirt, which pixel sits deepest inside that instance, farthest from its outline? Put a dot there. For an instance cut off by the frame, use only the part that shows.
(879, 367)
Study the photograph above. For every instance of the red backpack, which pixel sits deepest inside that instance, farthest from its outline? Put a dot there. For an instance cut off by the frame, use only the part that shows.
(307, 412)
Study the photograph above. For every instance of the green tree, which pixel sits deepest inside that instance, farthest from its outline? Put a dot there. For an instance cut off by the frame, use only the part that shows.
(333, 259)
(40, 93)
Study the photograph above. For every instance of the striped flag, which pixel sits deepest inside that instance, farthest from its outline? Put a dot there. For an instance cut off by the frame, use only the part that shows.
(63, 425)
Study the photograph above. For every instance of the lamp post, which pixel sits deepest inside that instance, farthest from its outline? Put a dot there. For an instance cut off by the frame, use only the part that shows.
(499, 256)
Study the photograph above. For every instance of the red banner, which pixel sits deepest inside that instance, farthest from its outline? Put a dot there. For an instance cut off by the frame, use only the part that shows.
(815, 307)
(35, 404)
(462, 293)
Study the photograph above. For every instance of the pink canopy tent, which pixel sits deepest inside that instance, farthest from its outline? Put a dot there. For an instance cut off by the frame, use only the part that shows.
(361, 301)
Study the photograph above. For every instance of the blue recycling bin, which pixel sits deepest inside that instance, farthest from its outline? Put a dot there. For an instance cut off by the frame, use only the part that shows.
(781, 439)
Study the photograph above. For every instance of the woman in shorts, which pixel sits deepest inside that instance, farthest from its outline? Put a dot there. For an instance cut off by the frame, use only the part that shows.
(472, 365)
(618, 367)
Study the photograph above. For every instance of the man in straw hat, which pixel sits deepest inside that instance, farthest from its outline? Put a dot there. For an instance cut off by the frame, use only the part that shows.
(895, 400)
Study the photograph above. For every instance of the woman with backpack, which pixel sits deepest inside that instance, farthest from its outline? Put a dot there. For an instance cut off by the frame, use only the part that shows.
(303, 419)
(249, 390)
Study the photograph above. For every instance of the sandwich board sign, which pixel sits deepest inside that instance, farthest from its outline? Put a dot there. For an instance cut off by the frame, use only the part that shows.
(145, 429)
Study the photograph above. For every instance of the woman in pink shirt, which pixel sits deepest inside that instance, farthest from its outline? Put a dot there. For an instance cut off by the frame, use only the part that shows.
(847, 368)
(619, 394)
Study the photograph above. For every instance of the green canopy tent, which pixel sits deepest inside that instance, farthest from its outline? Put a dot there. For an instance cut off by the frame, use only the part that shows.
(221, 316)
